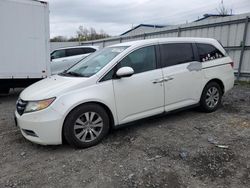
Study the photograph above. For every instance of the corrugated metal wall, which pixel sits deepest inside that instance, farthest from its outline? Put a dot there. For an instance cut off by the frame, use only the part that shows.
(229, 31)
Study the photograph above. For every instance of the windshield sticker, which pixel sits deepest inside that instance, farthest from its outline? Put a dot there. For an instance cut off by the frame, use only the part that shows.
(211, 57)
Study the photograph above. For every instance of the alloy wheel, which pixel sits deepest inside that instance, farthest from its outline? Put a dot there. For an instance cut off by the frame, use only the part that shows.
(212, 97)
(88, 126)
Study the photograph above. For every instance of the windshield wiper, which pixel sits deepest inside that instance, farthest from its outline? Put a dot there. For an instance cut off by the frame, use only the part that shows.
(71, 74)
(74, 74)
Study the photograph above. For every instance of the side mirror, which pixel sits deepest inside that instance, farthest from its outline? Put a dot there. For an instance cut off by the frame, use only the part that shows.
(52, 57)
(124, 72)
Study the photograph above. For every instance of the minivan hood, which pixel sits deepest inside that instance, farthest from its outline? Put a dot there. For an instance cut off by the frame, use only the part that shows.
(51, 87)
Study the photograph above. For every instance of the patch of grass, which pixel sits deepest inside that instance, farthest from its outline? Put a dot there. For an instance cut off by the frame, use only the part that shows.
(243, 83)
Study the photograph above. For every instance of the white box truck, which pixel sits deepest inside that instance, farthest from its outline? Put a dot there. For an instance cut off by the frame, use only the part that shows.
(24, 43)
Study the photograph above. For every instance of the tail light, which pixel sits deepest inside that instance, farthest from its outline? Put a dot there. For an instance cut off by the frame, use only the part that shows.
(232, 64)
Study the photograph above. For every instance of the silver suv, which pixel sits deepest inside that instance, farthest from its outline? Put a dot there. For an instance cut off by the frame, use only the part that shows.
(64, 58)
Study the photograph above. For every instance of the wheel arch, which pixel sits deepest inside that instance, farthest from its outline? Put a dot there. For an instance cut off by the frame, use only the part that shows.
(106, 108)
(218, 81)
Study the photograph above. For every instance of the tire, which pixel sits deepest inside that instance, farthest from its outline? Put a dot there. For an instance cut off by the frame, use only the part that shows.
(211, 97)
(86, 126)
(4, 90)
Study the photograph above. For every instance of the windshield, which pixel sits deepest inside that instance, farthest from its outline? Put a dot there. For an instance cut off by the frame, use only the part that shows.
(95, 62)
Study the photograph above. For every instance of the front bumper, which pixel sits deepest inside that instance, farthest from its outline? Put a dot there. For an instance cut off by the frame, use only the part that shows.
(42, 127)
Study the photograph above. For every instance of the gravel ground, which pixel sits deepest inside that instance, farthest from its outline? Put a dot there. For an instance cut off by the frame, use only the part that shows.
(175, 150)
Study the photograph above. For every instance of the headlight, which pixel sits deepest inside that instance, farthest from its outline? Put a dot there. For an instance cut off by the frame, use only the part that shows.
(33, 106)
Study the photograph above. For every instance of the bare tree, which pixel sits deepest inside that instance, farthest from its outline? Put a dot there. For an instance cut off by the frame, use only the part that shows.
(84, 34)
(92, 34)
(59, 39)
(103, 34)
(222, 10)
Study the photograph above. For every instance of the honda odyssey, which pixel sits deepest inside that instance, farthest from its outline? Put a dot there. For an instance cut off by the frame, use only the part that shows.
(123, 83)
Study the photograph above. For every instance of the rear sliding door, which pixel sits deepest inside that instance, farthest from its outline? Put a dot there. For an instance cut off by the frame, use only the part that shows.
(182, 75)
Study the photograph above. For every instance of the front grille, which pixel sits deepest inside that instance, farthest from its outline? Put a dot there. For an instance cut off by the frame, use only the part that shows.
(20, 106)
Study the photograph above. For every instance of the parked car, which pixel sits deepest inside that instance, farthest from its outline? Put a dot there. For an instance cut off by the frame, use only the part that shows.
(64, 58)
(121, 84)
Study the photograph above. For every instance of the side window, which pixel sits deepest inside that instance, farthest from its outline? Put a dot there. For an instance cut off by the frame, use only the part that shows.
(58, 54)
(141, 60)
(89, 50)
(208, 52)
(74, 51)
(176, 53)
(108, 76)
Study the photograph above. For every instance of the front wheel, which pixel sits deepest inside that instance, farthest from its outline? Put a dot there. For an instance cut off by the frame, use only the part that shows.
(86, 126)
(211, 97)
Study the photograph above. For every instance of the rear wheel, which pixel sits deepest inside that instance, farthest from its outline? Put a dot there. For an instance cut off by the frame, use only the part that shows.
(86, 126)
(211, 97)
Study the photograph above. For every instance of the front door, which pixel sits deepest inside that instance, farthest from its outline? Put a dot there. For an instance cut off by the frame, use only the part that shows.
(142, 94)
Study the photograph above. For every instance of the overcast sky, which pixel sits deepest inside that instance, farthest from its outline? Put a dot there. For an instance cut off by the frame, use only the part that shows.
(117, 16)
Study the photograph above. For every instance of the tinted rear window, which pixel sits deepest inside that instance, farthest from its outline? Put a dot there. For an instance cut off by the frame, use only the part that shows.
(58, 54)
(176, 53)
(208, 52)
(89, 50)
(74, 51)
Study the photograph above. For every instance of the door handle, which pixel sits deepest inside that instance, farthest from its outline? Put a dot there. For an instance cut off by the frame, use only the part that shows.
(157, 81)
(168, 79)
(162, 80)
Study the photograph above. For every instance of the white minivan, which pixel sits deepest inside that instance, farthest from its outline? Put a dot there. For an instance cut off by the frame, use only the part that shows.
(123, 83)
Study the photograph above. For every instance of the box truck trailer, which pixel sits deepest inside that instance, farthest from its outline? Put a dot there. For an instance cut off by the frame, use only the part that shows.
(24, 43)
